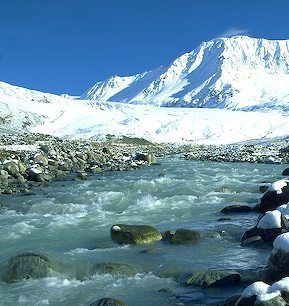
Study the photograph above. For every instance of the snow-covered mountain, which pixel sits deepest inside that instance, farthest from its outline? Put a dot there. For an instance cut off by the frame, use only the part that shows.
(238, 73)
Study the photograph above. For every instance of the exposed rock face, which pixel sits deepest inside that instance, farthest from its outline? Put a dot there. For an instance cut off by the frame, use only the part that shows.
(134, 234)
(27, 266)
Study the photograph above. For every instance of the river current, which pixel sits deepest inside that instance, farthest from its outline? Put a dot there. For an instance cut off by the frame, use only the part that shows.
(69, 222)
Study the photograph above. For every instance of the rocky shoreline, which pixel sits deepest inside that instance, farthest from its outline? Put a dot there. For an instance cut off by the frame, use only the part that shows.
(28, 160)
(275, 151)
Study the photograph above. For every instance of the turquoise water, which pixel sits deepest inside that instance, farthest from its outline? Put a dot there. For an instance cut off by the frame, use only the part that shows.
(69, 222)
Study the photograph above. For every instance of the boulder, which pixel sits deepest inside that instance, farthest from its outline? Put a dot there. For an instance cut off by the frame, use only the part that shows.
(261, 294)
(150, 158)
(211, 279)
(41, 159)
(285, 172)
(267, 235)
(269, 226)
(115, 269)
(11, 167)
(134, 234)
(181, 236)
(27, 266)
(276, 195)
(278, 264)
(236, 209)
(108, 302)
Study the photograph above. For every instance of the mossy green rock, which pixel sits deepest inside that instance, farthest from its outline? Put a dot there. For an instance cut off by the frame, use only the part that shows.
(211, 279)
(181, 236)
(27, 266)
(134, 234)
(115, 269)
(108, 302)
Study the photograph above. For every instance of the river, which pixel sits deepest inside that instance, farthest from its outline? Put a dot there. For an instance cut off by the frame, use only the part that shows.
(69, 222)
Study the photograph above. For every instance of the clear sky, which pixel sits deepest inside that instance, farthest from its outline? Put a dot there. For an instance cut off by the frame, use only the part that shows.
(65, 46)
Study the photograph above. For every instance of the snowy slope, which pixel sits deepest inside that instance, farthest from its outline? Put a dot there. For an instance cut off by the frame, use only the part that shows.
(25, 110)
(239, 73)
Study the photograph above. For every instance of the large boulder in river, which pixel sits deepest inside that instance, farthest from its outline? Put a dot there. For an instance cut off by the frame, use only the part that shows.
(134, 234)
(262, 294)
(269, 226)
(278, 262)
(211, 279)
(276, 195)
(26, 266)
(108, 302)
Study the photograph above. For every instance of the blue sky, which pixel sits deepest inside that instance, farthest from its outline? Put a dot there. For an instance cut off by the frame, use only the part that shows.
(65, 46)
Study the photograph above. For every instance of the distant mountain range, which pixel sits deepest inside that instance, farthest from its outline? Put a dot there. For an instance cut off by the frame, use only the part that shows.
(238, 73)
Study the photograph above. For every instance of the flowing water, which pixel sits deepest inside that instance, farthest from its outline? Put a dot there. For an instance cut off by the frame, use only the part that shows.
(69, 222)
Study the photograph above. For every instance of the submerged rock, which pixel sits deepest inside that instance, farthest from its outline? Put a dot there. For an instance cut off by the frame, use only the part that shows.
(181, 236)
(115, 269)
(108, 302)
(27, 266)
(236, 209)
(134, 234)
(211, 279)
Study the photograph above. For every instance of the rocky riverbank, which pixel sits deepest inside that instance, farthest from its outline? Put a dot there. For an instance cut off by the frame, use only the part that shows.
(273, 151)
(28, 160)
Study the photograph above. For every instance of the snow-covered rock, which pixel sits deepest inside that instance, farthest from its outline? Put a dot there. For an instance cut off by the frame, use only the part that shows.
(271, 219)
(276, 195)
(239, 72)
(282, 242)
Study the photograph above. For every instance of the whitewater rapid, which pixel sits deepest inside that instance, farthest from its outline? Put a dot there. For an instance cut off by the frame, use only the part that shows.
(69, 222)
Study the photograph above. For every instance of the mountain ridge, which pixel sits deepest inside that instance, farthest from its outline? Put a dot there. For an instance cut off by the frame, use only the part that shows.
(238, 73)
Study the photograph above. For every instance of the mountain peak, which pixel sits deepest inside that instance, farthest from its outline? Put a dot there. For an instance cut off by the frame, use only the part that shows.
(238, 72)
